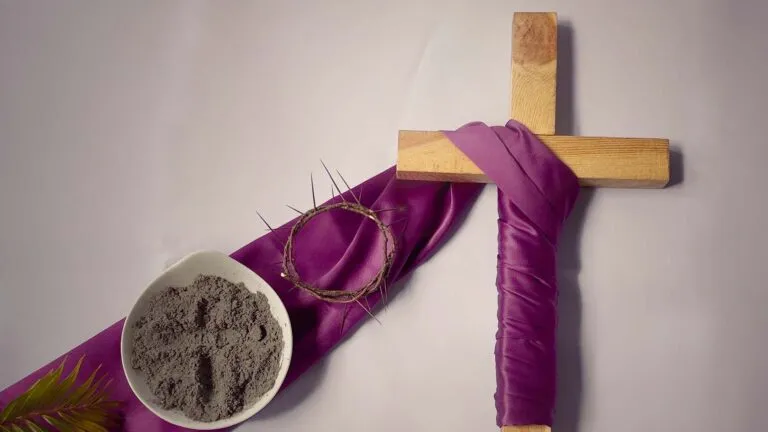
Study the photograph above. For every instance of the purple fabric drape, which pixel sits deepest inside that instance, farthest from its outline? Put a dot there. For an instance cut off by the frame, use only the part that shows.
(342, 250)
(536, 194)
(336, 249)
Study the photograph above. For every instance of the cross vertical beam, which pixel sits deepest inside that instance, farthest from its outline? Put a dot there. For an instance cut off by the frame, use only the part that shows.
(533, 92)
(534, 71)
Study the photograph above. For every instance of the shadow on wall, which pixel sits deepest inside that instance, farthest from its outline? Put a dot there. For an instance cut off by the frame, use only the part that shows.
(565, 116)
(569, 355)
(676, 173)
(570, 383)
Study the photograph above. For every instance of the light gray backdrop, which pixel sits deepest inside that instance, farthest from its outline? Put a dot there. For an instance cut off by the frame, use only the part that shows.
(132, 133)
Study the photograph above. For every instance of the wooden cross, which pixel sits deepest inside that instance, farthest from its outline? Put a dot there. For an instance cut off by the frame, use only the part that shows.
(596, 161)
(600, 162)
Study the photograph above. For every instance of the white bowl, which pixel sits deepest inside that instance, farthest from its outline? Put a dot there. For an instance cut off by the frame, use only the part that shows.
(183, 273)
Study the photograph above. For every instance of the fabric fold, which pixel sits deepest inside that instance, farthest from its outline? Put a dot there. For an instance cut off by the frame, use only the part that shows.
(536, 194)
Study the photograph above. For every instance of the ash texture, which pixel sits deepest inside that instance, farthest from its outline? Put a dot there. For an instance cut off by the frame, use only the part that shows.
(209, 349)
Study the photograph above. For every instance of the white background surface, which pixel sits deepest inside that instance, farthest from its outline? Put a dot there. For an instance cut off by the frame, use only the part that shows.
(134, 133)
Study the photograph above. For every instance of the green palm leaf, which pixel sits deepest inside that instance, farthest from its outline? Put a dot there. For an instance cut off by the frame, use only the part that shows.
(55, 404)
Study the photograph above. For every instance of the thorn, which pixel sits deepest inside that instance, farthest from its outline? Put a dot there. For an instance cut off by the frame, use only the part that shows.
(388, 209)
(369, 312)
(332, 179)
(397, 221)
(272, 230)
(312, 183)
(367, 303)
(349, 189)
(384, 297)
(344, 318)
(295, 209)
(265, 221)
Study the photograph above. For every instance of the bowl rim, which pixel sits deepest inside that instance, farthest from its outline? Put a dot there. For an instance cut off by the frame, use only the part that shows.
(245, 413)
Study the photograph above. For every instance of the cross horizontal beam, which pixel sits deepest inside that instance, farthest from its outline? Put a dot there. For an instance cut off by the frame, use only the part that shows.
(596, 161)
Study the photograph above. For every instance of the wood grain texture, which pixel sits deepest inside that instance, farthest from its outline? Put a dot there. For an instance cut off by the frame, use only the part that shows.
(531, 428)
(596, 161)
(534, 70)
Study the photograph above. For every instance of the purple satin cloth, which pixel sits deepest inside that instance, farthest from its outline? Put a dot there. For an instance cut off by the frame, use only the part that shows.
(536, 194)
(336, 249)
(341, 250)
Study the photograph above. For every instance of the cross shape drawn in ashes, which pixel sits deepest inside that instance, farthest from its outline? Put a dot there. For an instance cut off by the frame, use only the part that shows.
(596, 161)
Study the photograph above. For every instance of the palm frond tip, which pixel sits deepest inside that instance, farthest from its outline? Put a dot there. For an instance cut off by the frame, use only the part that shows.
(60, 404)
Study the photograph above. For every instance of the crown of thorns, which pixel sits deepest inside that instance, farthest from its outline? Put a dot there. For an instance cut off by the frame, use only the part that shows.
(376, 282)
(335, 295)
